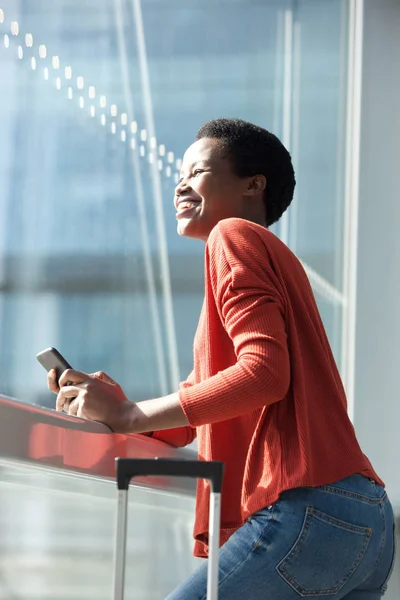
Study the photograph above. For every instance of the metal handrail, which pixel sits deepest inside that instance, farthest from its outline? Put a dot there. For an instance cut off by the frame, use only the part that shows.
(46, 439)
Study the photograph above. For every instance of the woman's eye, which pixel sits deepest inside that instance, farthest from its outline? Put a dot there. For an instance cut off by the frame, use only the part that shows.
(197, 171)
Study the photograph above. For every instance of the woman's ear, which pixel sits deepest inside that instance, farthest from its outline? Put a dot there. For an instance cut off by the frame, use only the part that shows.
(255, 185)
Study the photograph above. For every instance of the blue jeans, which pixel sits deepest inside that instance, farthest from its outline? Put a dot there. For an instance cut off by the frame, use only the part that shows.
(334, 541)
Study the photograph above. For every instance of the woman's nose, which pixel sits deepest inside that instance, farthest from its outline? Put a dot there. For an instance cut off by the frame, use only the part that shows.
(181, 187)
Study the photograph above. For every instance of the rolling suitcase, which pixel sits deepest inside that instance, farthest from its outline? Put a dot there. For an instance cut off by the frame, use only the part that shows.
(127, 468)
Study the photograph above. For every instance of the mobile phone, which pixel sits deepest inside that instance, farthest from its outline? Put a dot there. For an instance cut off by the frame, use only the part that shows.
(52, 359)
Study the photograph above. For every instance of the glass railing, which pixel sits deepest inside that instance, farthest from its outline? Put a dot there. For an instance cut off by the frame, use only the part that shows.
(58, 505)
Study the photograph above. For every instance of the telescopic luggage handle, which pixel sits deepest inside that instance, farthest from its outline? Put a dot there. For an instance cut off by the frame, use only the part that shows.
(128, 468)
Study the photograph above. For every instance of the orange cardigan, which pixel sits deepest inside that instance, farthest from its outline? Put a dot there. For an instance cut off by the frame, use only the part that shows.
(265, 395)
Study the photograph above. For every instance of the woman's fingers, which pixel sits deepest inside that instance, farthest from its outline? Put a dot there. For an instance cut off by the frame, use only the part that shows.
(66, 395)
(71, 376)
(52, 382)
(96, 397)
(73, 407)
(80, 411)
(104, 377)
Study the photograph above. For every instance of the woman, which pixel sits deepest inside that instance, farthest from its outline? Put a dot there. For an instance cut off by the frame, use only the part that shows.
(303, 511)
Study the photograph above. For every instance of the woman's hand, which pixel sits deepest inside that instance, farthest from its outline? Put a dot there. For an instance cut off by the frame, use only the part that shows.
(96, 397)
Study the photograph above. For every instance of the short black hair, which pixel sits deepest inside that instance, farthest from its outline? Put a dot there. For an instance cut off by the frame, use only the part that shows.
(255, 151)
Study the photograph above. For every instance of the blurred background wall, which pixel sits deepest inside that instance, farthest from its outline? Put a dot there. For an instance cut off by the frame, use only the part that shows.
(377, 405)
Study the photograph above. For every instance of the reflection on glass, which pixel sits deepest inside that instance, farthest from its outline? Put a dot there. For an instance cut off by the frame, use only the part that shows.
(42, 51)
(332, 314)
(80, 261)
(28, 40)
(59, 531)
(14, 28)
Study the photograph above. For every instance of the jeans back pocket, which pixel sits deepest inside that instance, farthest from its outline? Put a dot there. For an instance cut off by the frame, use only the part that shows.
(325, 555)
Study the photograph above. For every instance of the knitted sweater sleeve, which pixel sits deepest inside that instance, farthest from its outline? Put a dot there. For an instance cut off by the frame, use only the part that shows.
(178, 436)
(243, 286)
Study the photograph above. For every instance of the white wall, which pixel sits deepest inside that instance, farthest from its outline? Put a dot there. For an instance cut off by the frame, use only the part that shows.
(377, 376)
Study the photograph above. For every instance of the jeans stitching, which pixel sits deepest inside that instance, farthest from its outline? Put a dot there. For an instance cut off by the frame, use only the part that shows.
(298, 546)
(338, 523)
(355, 495)
(263, 532)
(383, 536)
(391, 568)
(239, 564)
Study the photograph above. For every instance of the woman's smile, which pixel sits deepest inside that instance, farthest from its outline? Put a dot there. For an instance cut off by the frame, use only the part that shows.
(186, 205)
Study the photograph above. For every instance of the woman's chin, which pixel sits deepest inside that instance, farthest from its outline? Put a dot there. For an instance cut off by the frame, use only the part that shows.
(191, 229)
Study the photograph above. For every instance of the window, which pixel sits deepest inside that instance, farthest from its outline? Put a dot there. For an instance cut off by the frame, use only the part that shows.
(98, 101)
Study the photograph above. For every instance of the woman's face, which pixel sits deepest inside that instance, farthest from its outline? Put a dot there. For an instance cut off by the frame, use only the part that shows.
(208, 190)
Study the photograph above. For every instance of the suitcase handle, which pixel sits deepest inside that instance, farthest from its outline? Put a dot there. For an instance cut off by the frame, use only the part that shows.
(127, 468)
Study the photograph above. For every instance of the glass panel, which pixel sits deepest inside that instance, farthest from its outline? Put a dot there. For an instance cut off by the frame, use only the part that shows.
(331, 313)
(317, 135)
(58, 531)
(98, 101)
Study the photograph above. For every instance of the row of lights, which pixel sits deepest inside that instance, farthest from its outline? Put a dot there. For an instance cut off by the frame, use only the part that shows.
(166, 161)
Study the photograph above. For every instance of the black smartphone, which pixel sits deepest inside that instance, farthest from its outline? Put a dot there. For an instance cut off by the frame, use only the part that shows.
(52, 359)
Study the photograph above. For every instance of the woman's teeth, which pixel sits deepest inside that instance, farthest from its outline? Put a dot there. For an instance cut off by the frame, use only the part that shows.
(186, 205)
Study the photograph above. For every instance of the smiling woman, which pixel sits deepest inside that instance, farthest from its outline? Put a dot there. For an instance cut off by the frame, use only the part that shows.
(230, 171)
(214, 192)
(98, 103)
(265, 396)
